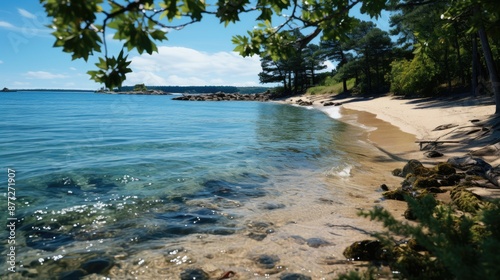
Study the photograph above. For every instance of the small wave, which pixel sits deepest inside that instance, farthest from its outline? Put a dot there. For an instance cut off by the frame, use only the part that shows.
(332, 111)
(340, 171)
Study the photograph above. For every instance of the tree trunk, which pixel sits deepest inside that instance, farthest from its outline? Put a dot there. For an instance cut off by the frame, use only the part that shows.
(475, 65)
(490, 63)
(344, 84)
(447, 68)
(488, 57)
(459, 57)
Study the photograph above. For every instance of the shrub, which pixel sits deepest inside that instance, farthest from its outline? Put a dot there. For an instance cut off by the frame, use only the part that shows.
(457, 246)
(415, 77)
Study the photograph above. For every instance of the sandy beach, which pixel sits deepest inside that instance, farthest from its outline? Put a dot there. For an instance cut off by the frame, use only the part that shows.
(420, 117)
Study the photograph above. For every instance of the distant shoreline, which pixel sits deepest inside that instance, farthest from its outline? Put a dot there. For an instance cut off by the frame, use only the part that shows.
(58, 90)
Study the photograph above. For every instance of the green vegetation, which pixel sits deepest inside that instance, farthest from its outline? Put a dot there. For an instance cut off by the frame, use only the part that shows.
(140, 87)
(458, 239)
(444, 244)
(442, 44)
(330, 87)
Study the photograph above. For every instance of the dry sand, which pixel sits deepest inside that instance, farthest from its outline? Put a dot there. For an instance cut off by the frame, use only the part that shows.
(420, 117)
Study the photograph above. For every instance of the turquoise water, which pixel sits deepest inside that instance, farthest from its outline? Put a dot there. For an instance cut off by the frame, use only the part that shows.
(120, 168)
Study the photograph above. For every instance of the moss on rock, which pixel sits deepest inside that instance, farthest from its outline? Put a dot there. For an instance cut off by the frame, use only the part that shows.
(366, 250)
(425, 183)
(445, 169)
(467, 201)
(397, 194)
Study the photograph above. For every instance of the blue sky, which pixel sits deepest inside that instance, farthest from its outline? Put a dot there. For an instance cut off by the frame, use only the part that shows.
(200, 54)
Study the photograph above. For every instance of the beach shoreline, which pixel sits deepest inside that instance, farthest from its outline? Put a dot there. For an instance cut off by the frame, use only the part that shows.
(420, 117)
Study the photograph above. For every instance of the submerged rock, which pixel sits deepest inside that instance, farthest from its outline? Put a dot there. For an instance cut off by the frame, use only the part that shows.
(271, 206)
(72, 275)
(266, 261)
(194, 273)
(259, 230)
(294, 276)
(98, 265)
(316, 242)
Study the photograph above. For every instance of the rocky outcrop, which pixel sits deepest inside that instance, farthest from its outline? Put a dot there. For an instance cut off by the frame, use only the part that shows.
(221, 96)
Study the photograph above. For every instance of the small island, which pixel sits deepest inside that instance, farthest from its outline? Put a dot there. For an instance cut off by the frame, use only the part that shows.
(8, 90)
(139, 89)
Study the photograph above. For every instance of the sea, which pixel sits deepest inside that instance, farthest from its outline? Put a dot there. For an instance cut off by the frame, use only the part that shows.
(113, 186)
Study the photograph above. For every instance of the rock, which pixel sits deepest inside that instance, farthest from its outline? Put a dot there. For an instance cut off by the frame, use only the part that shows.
(384, 187)
(220, 96)
(397, 172)
(259, 230)
(493, 175)
(72, 275)
(304, 103)
(98, 266)
(65, 183)
(467, 201)
(415, 167)
(425, 183)
(366, 250)
(451, 180)
(433, 154)
(395, 194)
(271, 206)
(266, 261)
(294, 276)
(445, 168)
(330, 103)
(317, 242)
(194, 273)
(257, 236)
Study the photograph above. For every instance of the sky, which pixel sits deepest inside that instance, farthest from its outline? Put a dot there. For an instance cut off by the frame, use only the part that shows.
(198, 55)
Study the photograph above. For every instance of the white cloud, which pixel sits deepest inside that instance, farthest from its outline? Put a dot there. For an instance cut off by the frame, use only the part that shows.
(6, 24)
(73, 68)
(28, 30)
(43, 75)
(1, 61)
(26, 14)
(19, 84)
(184, 66)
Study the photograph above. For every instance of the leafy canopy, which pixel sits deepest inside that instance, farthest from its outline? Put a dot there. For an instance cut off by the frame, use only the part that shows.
(80, 27)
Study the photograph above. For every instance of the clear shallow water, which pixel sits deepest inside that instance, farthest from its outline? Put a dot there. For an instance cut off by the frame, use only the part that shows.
(111, 173)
